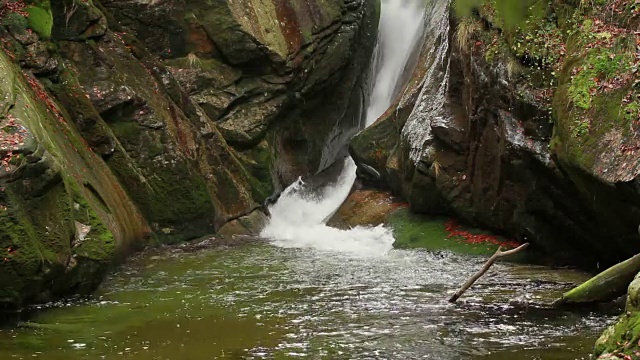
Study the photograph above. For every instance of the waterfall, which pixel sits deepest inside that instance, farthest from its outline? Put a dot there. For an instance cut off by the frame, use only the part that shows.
(431, 104)
(299, 218)
(400, 29)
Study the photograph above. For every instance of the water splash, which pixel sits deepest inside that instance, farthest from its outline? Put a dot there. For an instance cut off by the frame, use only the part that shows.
(299, 218)
(431, 104)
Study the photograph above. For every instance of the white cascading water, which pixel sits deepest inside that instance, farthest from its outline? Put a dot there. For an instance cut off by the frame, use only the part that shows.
(401, 26)
(299, 219)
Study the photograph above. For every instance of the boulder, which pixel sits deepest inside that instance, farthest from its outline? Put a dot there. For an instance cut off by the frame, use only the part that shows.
(50, 181)
(287, 71)
(621, 340)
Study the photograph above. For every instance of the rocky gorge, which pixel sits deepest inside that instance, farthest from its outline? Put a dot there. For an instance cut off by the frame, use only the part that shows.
(141, 122)
(127, 123)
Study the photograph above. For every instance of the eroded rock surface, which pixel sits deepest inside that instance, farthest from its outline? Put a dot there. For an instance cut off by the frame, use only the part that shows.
(469, 138)
(129, 122)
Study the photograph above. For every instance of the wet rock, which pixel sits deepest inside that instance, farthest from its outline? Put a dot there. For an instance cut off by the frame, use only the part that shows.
(38, 58)
(465, 139)
(365, 208)
(288, 71)
(249, 225)
(248, 125)
(77, 20)
(165, 119)
(21, 32)
(621, 339)
(37, 220)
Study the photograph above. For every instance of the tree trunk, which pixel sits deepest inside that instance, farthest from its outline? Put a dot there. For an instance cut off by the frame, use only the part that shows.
(606, 286)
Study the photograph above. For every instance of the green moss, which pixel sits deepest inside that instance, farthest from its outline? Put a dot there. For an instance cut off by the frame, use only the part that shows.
(95, 253)
(39, 221)
(16, 268)
(40, 20)
(38, 232)
(622, 338)
(632, 111)
(413, 231)
(166, 201)
(259, 170)
(99, 243)
(15, 20)
(597, 64)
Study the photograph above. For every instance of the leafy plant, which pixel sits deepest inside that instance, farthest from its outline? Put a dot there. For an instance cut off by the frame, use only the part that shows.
(580, 128)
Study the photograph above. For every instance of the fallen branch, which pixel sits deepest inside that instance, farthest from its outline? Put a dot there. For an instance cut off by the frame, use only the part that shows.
(604, 287)
(499, 253)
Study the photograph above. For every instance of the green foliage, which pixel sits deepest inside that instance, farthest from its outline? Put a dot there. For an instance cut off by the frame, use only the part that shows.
(632, 111)
(512, 13)
(580, 128)
(40, 20)
(580, 89)
(598, 64)
(14, 20)
(465, 30)
(540, 40)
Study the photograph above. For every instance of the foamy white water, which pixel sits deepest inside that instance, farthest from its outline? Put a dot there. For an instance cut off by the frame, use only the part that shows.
(299, 219)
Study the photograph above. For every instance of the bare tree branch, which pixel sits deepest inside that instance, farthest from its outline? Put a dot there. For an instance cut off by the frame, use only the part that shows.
(499, 253)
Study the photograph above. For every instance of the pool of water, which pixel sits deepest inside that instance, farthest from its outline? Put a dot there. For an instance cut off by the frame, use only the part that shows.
(265, 302)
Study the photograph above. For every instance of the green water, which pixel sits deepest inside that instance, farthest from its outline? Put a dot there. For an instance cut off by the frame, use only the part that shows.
(266, 302)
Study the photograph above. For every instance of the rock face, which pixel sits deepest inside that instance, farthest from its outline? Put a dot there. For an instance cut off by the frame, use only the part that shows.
(472, 138)
(365, 208)
(132, 121)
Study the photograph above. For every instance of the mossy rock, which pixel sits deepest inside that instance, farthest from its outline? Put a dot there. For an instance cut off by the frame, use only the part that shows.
(414, 231)
(40, 19)
(620, 339)
(61, 182)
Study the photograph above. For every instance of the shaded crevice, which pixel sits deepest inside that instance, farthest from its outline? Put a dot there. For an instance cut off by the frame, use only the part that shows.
(97, 196)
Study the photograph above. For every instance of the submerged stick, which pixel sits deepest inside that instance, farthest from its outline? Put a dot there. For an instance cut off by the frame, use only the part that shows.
(499, 253)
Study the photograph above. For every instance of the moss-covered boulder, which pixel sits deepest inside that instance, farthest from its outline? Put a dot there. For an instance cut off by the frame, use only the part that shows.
(621, 340)
(597, 124)
(64, 217)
